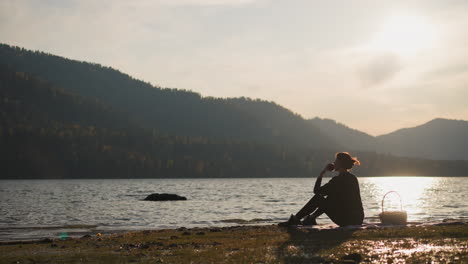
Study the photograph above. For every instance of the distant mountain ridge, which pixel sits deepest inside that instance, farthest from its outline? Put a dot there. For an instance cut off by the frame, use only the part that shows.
(345, 136)
(171, 111)
(48, 132)
(185, 113)
(441, 139)
(437, 139)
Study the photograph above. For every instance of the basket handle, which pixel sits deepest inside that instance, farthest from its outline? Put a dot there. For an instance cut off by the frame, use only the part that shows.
(401, 204)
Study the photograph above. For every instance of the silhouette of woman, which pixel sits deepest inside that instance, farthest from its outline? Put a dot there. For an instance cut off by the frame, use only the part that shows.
(339, 199)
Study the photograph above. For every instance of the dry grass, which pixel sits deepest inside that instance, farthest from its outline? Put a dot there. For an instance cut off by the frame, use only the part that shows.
(261, 244)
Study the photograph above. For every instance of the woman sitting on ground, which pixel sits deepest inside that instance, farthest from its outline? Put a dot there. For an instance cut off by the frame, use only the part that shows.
(340, 198)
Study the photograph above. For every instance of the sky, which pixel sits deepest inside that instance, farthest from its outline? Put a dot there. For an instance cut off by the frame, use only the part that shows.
(373, 65)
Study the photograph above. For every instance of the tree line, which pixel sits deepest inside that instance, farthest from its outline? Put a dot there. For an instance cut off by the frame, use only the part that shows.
(49, 132)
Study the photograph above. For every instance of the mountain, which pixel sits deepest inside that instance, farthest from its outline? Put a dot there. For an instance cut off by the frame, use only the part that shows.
(171, 111)
(437, 139)
(32, 102)
(441, 139)
(185, 113)
(48, 130)
(344, 136)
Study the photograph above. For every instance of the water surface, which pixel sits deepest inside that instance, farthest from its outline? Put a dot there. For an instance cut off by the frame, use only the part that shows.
(53, 208)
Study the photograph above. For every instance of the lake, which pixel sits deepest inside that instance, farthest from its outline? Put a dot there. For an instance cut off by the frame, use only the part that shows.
(31, 209)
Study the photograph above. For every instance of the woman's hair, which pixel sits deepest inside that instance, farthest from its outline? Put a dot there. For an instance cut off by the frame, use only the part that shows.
(348, 161)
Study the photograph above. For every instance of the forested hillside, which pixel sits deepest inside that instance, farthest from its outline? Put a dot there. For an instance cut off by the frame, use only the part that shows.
(175, 112)
(345, 136)
(50, 131)
(47, 132)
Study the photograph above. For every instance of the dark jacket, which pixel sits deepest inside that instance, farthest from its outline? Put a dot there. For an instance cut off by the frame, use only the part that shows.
(343, 202)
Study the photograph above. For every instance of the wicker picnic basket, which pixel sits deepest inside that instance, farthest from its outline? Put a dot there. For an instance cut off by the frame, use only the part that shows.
(393, 217)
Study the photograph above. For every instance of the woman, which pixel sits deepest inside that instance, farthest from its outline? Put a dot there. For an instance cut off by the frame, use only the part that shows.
(340, 198)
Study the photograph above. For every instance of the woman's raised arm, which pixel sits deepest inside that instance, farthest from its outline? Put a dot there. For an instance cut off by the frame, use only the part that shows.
(318, 182)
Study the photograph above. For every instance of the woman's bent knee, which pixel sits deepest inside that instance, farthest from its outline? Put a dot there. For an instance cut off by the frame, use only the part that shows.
(318, 198)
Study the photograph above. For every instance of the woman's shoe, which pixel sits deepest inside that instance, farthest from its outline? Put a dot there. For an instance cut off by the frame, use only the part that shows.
(292, 221)
(309, 220)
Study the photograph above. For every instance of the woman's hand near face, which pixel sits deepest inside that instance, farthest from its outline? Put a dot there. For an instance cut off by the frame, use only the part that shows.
(328, 167)
(318, 182)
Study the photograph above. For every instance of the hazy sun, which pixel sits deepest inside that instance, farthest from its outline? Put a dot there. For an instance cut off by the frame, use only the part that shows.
(404, 35)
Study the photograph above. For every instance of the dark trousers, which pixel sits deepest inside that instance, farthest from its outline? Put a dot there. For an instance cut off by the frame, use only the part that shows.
(319, 205)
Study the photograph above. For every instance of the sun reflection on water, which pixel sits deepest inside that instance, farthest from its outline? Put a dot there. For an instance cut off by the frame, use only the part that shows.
(414, 192)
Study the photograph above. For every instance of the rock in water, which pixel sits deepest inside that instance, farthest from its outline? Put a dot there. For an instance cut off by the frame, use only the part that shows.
(164, 197)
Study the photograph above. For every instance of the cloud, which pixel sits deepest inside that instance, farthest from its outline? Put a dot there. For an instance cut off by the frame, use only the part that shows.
(449, 70)
(380, 69)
